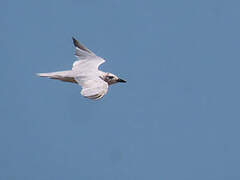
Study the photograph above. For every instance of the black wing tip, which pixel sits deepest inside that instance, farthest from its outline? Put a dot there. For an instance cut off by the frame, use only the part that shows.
(80, 46)
(75, 42)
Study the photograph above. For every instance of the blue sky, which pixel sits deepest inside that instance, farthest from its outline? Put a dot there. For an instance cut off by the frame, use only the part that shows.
(177, 117)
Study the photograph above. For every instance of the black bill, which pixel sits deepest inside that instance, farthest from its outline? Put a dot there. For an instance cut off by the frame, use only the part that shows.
(121, 80)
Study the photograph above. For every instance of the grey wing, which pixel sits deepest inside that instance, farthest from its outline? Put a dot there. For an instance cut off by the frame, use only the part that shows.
(87, 61)
(93, 87)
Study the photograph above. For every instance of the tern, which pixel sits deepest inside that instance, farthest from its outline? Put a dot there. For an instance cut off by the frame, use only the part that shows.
(85, 73)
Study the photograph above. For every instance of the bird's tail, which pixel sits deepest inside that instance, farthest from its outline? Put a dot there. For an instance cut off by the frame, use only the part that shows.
(66, 76)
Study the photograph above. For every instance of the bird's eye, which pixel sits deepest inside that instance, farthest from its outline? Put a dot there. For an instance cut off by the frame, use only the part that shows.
(110, 77)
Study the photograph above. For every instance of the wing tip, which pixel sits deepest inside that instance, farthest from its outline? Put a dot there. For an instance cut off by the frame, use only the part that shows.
(80, 46)
(95, 97)
(75, 42)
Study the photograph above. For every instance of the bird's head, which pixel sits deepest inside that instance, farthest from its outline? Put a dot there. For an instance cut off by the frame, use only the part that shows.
(112, 79)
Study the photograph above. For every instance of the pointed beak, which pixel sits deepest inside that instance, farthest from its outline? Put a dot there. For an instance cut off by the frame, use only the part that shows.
(121, 80)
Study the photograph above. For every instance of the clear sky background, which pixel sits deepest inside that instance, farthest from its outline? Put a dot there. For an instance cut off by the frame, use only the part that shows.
(177, 117)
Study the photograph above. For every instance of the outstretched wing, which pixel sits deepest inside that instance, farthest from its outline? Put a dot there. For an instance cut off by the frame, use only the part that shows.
(87, 73)
(87, 61)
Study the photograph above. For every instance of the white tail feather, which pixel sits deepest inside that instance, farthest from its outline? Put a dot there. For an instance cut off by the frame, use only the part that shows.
(66, 76)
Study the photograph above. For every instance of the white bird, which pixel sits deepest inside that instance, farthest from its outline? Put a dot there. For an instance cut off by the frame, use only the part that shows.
(85, 72)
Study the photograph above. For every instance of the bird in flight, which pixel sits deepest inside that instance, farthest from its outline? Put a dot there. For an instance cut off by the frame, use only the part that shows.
(85, 72)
